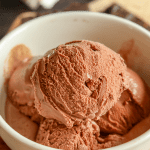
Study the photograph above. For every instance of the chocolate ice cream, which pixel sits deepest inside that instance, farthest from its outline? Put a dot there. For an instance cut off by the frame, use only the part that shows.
(78, 96)
(81, 137)
(133, 106)
(20, 122)
(82, 79)
(20, 89)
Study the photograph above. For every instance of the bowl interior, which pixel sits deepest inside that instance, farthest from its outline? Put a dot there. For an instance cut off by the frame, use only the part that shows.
(47, 32)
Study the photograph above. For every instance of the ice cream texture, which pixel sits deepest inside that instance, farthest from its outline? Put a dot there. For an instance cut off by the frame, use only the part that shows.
(81, 80)
(78, 96)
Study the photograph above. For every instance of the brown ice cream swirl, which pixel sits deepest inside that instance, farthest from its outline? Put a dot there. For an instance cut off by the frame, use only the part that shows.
(82, 79)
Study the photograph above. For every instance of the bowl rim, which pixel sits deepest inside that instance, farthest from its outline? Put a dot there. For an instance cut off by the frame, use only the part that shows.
(145, 136)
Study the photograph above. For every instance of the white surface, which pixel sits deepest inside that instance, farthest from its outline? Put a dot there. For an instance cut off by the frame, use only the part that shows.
(49, 31)
(33, 4)
(47, 4)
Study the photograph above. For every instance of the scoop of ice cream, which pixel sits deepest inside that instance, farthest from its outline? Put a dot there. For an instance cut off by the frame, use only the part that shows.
(20, 122)
(115, 139)
(85, 136)
(79, 137)
(81, 79)
(133, 106)
(20, 90)
(140, 92)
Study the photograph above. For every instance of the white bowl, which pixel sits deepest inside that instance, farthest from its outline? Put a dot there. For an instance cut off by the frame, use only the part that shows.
(49, 31)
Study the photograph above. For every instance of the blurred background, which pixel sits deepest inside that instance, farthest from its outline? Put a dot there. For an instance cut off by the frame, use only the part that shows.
(9, 10)
(16, 12)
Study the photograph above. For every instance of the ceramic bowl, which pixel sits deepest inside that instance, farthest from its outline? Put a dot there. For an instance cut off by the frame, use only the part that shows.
(46, 32)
